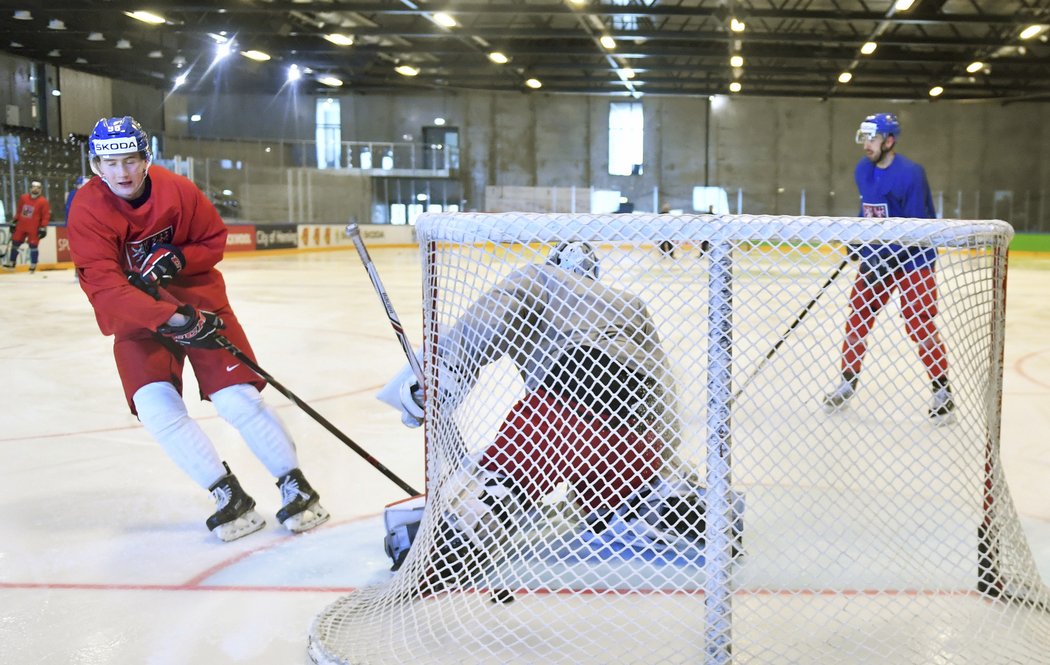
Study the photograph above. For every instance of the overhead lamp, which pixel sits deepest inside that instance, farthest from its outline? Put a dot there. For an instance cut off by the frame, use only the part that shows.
(54, 53)
(196, 117)
(23, 15)
(156, 54)
(535, 84)
(16, 45)
(975, 67)
(330, 81)
(626, 73)
(1031, 31)
(96, 37)
(339, 39)
(845, 77)
(180, 80)
(56, 93)
(868, 48)
(179, 61)
(735, 86)
(81, 61)
(146, 17)
(903, 5)
(56, 24)
(123, 44)
(440, 122)
(936, 90)
(222, 50)
(607, 42)
(257, 56)
(294, 74)
(737, 25)
(498, 58)
(406, 70)
(444, 20)
(736, 61)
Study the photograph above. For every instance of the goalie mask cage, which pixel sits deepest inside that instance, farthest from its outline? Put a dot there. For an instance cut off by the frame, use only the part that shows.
(868, 535)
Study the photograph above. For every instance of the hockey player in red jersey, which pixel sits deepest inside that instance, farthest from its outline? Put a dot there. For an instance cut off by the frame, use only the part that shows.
(892, 185)
(32, 214)
(139, 227)
(599, 413)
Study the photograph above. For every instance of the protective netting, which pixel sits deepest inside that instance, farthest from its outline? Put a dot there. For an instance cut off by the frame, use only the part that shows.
(644, 464)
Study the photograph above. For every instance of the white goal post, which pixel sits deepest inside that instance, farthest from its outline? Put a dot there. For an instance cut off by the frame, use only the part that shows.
(866, 535)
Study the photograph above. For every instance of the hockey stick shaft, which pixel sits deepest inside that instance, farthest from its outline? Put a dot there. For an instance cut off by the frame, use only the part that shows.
(266, 376)
(798, 319)
(354, 232)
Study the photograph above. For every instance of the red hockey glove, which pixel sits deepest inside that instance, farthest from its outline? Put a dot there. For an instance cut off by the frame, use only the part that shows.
(162, 264)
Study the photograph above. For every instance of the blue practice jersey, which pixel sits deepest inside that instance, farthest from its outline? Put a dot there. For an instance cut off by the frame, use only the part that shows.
(900, 190)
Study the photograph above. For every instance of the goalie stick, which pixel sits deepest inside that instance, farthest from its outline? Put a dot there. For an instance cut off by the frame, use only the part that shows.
(783, 337)
(226, 344)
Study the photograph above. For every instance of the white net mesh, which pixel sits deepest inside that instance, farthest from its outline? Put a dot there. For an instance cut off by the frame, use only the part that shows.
(644, 464)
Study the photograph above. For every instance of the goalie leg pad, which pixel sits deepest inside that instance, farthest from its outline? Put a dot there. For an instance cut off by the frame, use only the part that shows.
(402, 520)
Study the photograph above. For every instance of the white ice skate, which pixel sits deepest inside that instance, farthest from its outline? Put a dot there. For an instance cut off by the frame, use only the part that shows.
(942, 408)
(235, 515)
(836, 400)
(302, 510)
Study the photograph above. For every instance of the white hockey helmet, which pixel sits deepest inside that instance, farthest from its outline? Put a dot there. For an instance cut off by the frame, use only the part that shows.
(575, 256)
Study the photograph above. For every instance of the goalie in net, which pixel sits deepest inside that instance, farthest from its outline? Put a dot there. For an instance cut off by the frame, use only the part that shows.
(598, 416)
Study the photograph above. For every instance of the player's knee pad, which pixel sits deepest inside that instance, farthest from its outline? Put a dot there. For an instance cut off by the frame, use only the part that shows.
(159, 406)
(237, 403)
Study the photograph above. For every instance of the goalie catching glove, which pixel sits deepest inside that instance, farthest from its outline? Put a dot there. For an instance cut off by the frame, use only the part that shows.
(201, 329)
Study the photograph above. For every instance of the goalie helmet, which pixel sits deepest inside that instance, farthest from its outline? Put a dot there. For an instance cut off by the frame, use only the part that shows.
(885, 124)
(119, 136)
(576, 257)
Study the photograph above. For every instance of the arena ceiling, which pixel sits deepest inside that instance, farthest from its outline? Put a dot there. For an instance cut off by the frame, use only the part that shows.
(969, 49)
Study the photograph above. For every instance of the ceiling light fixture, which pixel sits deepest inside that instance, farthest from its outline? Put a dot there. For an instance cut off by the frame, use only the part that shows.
(96, 37)
(406, 70)
(626, 73)
(936, 90)
(123, 44)
(54, 53)
(81, 61)
(339, 39)
(146, 17)
(257, 56)
(222, 50)
(535, 84)
(56, 24)
(735, 86)
(845, 77)
(903, 5)
(23, 15)
(56, 93)
(330, 81)
(180, 80)
(294, 74)
(444, 20)
(196, 117)
(975, 66)
(607, 42)
(1031, 31)
(156, 54)
(737, 25)
(498, 58)
(736, 61)
(868, 48)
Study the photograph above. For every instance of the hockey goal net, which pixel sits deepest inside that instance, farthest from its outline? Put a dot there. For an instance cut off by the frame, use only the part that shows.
(866, 535)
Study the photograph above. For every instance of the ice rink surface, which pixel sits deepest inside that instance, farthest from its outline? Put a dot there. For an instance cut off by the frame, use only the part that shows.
(104, 557)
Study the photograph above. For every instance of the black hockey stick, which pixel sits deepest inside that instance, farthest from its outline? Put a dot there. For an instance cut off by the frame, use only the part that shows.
(354, 232)
(226, 344)
(783, 337)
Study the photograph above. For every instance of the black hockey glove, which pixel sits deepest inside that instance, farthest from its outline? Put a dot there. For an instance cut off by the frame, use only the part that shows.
(201, 330)
(161, 266)
(41, 232)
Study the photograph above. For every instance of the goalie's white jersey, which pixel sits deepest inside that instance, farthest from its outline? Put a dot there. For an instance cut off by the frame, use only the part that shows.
(540, 315)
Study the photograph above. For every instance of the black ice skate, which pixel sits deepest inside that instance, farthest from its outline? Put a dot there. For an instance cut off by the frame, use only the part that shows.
(235, 515)
(301, 510)
(942, 409)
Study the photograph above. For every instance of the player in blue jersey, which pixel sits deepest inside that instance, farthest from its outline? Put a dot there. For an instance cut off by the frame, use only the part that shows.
(891, 185)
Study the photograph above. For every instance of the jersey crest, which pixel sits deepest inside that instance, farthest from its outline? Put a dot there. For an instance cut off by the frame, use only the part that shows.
(28, 210)
(136, 251)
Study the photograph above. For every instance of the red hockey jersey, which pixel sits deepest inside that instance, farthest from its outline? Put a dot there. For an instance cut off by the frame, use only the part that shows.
(108, 237)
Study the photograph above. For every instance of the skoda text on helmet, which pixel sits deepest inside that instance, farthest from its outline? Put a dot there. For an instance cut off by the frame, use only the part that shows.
(119, 136)
(885, 124)
(576, 257)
